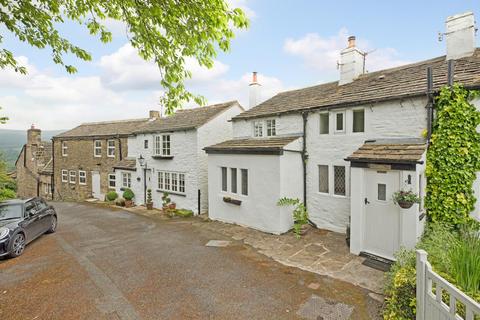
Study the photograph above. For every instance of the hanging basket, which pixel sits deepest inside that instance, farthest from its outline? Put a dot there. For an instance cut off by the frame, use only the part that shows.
(405, 204)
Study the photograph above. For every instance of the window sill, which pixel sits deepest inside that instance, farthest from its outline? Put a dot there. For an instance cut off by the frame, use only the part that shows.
(162, 157)
(173, 193)
(232, 201)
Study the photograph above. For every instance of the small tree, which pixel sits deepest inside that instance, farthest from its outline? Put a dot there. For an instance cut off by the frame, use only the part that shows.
(300, 214)
(149, 196)
(165, 200)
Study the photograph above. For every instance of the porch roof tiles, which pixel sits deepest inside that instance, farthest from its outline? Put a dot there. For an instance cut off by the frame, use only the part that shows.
(390, 152)
(126, 164)
(272, 145)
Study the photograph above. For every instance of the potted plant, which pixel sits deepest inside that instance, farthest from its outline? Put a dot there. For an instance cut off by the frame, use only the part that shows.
(149, 199)
(128, 195)
(111, 196)
(405, 199)
(165, 201)
(300, 215)
(172, 206)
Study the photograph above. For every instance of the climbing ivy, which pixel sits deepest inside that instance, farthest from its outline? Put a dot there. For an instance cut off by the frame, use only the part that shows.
(453, 157)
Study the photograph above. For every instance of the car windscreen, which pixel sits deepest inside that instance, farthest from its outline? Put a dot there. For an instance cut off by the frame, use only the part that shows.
(10, 211)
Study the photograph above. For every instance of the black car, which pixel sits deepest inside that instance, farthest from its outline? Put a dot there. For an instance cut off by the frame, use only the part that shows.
(21, 221)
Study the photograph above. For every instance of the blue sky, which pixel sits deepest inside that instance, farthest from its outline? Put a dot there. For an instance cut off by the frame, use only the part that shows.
(290, 43)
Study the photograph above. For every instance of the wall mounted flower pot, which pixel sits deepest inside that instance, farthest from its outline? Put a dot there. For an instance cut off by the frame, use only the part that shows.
(405, 204)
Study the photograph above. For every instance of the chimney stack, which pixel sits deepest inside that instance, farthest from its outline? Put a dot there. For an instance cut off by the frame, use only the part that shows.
(34, 136)
(254, 98)
(154, 114)
(460, 35)
(351, 62)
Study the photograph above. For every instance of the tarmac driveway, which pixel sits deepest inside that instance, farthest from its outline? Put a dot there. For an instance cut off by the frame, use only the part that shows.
(110, 264)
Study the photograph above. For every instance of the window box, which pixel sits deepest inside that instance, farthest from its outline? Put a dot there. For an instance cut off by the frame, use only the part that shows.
(232, 201)
(160, 157)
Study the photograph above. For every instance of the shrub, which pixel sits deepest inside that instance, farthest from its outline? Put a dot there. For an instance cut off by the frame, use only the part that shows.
(128, 194)
(112, 195)
(184, 213)
(400, 289)
(6, 194)
(149, 196)
(300, 213)
(165, 200)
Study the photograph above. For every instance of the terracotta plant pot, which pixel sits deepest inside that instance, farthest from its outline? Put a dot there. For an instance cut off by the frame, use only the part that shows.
(128, 203)
(405, 204)
(172, 206)
(150, 206)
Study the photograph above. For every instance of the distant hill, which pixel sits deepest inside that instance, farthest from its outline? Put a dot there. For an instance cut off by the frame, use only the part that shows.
(11, 142)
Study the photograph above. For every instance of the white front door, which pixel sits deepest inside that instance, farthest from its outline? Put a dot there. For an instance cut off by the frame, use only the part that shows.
(382, 217)
(96, 185)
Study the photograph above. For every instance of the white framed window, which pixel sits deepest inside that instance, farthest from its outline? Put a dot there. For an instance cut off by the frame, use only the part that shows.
(271, 128)
(339, 180)
(64, 149)
(64, 175)
(157, 145)
(126, 179)
(381, 192)
(171, 181)
(73, 176)
(97, 148)
(165, 145)
(324, 123)
(181, 182)
(244, 178)
(323, 179)
(82, 177)
(111, 148)
(340, 122)
(48, 188)
(112, 180)
(233, 180)
(258, 128)
(358, 120)
(224, 179)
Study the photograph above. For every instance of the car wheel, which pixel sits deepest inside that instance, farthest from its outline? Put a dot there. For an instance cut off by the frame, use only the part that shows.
(53, 225)
(17, 245)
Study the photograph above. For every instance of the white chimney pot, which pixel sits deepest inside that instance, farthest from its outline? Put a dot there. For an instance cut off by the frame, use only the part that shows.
(254, 94)
(460, 35)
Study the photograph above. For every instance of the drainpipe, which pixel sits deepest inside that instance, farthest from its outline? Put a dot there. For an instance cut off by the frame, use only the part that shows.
(429, 104)
(304, 157)
(52, 178)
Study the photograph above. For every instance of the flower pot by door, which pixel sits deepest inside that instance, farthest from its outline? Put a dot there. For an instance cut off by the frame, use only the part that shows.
(405, 204)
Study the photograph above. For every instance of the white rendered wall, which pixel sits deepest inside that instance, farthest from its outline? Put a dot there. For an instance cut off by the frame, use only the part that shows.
(215, 131)
(183, 146)
(259, 209)
(392, 119)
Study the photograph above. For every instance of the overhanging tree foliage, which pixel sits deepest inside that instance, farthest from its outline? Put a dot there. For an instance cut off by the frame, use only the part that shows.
(453, 158)
(165, 31)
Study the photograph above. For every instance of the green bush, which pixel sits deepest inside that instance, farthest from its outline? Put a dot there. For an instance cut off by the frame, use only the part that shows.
(400, 289)
(300, 213)
(128, 194)
(112, 196)
(184, 213)
(6, 194)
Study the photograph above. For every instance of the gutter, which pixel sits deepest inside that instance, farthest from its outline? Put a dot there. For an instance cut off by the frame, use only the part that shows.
(52, 183)
(304, 162)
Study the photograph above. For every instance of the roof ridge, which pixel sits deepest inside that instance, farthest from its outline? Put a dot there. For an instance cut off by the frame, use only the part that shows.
(221, 104)
(113, 121)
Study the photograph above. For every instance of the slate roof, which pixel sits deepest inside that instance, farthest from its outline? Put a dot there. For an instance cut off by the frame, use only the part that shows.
(390, 151)
(185, 119)
(273, 145)
(107, 128)
(404, 81)
(126, 164)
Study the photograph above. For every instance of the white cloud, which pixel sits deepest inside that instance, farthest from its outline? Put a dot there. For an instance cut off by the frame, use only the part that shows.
(323, 53)
(125, 87)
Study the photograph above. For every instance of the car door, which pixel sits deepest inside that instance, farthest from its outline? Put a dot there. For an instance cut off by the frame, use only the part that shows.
(44, 215)
(32, 224)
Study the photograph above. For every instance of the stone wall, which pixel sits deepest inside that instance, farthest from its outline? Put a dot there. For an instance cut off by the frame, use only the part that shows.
(80, 157)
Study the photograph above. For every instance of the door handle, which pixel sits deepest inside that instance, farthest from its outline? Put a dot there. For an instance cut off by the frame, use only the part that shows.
(366, 201)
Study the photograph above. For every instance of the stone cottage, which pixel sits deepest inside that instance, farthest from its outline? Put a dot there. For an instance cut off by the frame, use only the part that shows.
(342, 147)
(166, 155)
(34, 170)
(83, 158)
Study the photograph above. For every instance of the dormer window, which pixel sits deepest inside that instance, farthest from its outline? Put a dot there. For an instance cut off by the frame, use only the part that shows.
(258, 129)
(271, 128)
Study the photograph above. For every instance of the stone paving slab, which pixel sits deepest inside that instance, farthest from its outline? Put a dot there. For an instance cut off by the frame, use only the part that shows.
(319, 251)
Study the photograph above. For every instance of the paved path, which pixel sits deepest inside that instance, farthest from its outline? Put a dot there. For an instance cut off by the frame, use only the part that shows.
(111, 264)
